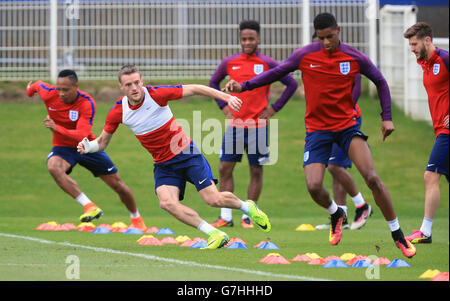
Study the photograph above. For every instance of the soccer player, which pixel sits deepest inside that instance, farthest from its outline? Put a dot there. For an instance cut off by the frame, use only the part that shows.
(248, 128)
(70, 117)
(434, 62)
(328, 71)
(146, 112)
(343, 182)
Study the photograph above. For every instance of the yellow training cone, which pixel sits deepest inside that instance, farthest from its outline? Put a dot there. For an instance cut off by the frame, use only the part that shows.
(429, 274)
(313, 255)
(305, 227)
(86, 225)
(347, 256)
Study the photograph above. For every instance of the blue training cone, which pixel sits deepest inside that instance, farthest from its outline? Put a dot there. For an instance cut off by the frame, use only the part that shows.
(101, 230)
(268, 245)
(398, 263)
(199, 244)
(165, 231)
(133, 231)
(362, 264)
(335, 263)
(237, 245)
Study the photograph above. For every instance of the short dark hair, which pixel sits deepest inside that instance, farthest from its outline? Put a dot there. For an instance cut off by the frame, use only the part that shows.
(314, 35)
(72, 75)
(324, 20)
(127, 69)
(420, 30)
(249, 24)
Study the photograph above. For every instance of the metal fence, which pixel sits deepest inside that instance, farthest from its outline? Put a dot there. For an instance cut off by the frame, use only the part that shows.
(166, 39)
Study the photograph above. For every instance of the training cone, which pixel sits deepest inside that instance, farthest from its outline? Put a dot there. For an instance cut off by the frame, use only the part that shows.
(106, 226)
(362, 264)
(151, 230)
(429, 274)
(86, 227)
(169, 240)
(190, 242)
(165, 231)
(301, 257)
(236, 239)
(150, 241)
(69, 226)
(119, 225)
(443, 276)
(305, 227)
(101, 230)
(332, 257)
(274, 258)
(356, 258)
(313, 255)
(45, 227)
(398, 263)
(335, 263)
(268, 245)
(381, 261)
(317, 261)
(133, 231)
(236, 245)
(144, 236)
(199, 244)
(348, 256)
(182, 238)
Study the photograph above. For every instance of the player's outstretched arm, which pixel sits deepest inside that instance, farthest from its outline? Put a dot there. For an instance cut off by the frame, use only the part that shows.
(85, 146)
(234, 102)
(233, 86)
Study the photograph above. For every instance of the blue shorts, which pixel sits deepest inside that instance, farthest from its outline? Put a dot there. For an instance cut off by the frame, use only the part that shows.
(97, 163)
(189, 166)
(319, 144)
(438, 161)
(253, 140)
(338, 157)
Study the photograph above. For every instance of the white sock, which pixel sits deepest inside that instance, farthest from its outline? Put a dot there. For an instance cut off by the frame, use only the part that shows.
(244, 207)
(83, 199)
(358, 200)
(394, 224)
(226, 214)
(244, 216)
(205, 227)
(333, 208)
(135, 215)
(427, 223)
(343, 208)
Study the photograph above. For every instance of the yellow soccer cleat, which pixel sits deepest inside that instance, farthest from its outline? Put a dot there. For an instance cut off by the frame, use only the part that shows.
(217, 239)
(90, 214)
(259, 218)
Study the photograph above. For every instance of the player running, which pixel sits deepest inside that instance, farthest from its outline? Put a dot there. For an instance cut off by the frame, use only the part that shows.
(70, 117)
(343, 182)
(328, 70)
(177, 160)
(434, 63)
(248, 128)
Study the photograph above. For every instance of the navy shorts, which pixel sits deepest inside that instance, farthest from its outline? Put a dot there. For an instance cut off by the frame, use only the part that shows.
(189, 166)
(97, 163)
(338, 157)
(254, 141)
(438, 161)
(319, 144)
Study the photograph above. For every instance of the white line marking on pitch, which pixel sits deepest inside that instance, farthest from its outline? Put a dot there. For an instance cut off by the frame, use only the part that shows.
(171, 260)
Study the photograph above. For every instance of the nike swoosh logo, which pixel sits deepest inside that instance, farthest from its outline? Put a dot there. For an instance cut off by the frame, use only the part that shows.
(264, 227)
(111, 168)
(430, 165)
(201, 182)
(314, 66)
(235, 68)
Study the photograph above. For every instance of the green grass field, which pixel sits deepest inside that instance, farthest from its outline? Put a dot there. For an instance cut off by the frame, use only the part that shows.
(30, 197)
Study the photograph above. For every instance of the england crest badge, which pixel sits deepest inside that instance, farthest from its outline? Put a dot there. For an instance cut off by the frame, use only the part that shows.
(258, 68)
(344, 67)
(73, 115)
(436, 69)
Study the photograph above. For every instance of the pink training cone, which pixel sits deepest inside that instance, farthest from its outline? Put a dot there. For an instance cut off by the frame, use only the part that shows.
(443, 276)
(301, 257)
(169, 240)
(317, 261)
(381, 261)
(356, 258)
(274, 258)
(151, 230)
(235, 239)
(332, 257)
(189, 243)
(150, 241)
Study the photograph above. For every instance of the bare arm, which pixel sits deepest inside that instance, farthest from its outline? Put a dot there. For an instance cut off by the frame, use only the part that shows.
(85, 146)
(234, 102)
